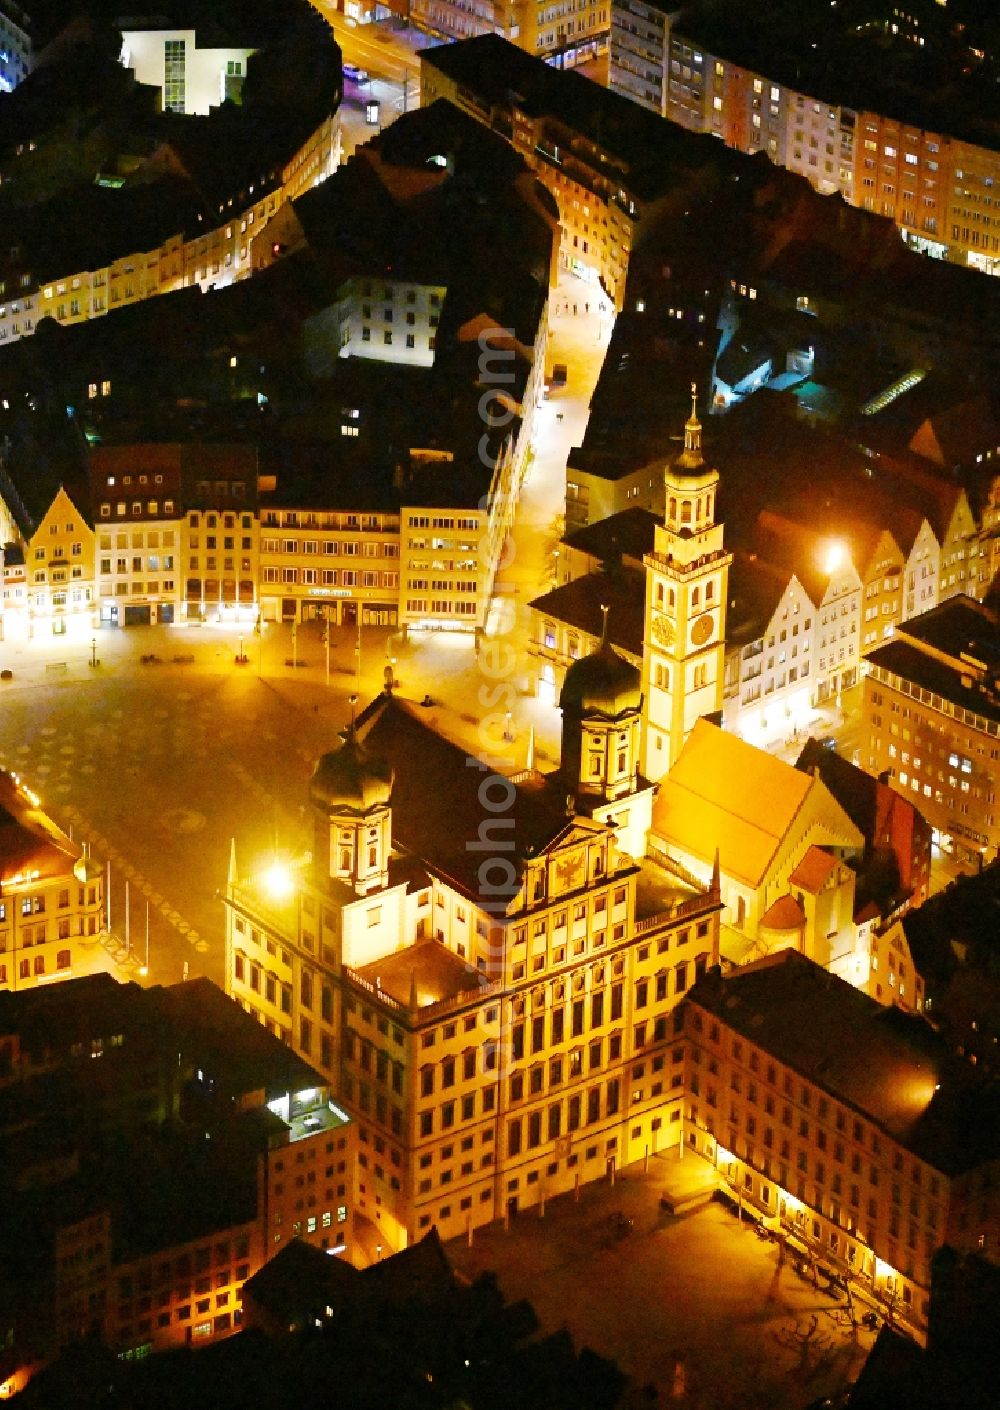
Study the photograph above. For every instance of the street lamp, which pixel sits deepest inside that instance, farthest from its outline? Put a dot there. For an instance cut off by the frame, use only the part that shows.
(93, 651)
(277, 880)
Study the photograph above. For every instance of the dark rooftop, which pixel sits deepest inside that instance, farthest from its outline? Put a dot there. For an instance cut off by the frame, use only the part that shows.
(578, 604)
(953, 651)
(838, 56)
(440, 824)
(644, 153)
(627, 534)
(426, 970)
(888, 1066)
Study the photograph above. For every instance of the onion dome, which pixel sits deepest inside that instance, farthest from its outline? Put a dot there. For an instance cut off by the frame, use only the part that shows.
(86, 870)
(348, 779)
(602, 682)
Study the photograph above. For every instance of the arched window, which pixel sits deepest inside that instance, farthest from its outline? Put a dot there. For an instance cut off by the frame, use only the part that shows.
(672, 600)
(695, 596)
(659, 594)
(709, 591)
(685, 511)
(673, 510)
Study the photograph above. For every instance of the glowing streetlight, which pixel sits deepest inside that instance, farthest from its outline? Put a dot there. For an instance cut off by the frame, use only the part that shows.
(834, 556)
(278, 881)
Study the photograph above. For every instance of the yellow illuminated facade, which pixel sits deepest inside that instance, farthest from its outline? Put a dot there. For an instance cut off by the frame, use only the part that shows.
(51, 897)
(491, 1056)
(343, 567)
(59, 561)
(687, 578)
(832, 1179)
(211, 258)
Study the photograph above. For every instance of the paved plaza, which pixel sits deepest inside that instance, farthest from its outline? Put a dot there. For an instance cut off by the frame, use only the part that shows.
(694, 1305)
(159, 765)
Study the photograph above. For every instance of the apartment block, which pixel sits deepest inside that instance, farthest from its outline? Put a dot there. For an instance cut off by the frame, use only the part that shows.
(932, 721)
(234, 1143)
(52, 907)
(865, 1175)
(609, 178)
(935, 183)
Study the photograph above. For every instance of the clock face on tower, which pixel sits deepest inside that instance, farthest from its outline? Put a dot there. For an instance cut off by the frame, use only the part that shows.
(702, 629)
(663, 631)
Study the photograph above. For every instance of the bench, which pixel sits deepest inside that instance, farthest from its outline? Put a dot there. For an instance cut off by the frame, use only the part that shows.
(56, 665)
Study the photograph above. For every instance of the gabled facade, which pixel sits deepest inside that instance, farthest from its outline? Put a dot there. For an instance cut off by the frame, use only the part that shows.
(882, 591)
(922, 574)
(730, 807)
(60, 571)
(770, 679)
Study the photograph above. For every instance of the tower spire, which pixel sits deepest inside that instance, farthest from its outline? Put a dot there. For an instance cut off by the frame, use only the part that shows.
(692, 432)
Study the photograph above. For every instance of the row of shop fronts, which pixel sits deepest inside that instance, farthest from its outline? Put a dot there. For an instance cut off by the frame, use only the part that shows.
(28, 623)
(821, 1242)
(339, 612)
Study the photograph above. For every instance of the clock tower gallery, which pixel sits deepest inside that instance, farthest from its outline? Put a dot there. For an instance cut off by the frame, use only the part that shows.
(686, 593)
